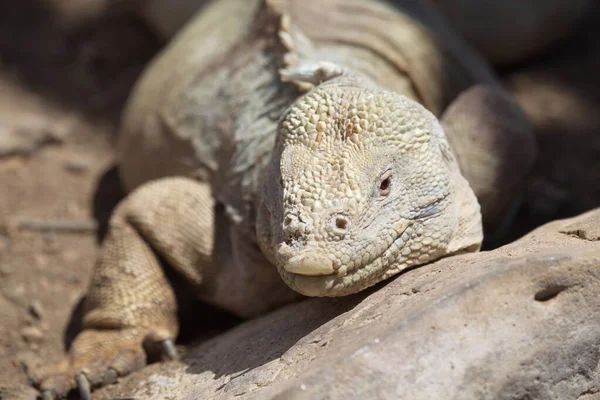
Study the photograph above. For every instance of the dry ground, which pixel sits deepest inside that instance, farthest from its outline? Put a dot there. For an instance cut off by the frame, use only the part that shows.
(62, 87)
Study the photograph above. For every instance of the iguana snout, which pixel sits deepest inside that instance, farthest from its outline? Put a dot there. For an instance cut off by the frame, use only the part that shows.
(306, 238)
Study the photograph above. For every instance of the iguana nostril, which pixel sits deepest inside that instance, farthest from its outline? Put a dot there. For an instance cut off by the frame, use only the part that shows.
(287, 221)
(341, 223)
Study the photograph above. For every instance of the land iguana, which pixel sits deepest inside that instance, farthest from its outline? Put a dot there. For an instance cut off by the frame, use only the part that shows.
(285, 147)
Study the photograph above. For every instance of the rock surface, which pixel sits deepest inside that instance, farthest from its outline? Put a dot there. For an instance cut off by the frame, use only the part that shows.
(519, 322)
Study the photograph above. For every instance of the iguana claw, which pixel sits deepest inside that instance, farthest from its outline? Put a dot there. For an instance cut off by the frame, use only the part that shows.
(83, 386)
(169, 350)
(110, 376)
(47, 395)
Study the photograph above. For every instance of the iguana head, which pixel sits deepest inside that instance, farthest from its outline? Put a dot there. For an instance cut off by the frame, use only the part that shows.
(362, 185)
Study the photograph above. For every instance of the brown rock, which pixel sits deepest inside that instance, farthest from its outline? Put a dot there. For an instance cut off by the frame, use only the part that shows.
(32, 334)
(519, 322)
(36, 309)
(26, 136)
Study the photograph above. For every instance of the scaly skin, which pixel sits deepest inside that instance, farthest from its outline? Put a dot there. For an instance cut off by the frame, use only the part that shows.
(363, 185)
(275, 146)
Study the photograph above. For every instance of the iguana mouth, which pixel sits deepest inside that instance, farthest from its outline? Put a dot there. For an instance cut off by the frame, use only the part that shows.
(313, 264)
(310, 263)
(402, 227)
(325, 283)
(392, 249)
(424, 213)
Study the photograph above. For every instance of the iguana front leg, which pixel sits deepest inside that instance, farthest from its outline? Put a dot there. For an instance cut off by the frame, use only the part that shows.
(130, 301)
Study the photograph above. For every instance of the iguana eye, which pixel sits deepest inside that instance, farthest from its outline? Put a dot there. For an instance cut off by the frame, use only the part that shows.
(385, 182)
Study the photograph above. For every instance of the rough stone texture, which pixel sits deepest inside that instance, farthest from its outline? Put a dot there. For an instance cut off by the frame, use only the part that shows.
(519, 322)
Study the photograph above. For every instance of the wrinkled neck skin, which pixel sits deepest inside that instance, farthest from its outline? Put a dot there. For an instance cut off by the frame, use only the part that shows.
(362, 185)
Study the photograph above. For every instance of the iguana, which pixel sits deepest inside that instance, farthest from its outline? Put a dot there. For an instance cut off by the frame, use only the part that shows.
(278, 148)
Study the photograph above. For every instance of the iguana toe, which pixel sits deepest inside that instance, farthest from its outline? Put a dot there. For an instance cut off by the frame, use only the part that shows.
(83, 386)
(47, 395)
(97, 358)
(169, 350)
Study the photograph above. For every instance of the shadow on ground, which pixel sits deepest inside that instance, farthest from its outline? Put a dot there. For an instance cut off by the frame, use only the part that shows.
(89, 65)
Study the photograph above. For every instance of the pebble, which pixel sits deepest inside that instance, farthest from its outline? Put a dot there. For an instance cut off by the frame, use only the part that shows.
(77, 166)
(4, 242)
(36, 309)
(32, 334)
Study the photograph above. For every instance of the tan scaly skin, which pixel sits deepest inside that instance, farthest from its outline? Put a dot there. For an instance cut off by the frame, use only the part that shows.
(363, 184)
(276, 146)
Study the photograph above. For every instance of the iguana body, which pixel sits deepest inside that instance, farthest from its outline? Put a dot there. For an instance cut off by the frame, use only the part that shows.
(277, 145)
(504, 32)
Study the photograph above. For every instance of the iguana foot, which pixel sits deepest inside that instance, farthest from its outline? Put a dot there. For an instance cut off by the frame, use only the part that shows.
(98, 358)
(131, 306)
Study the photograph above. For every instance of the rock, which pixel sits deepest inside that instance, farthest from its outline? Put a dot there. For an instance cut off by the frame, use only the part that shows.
(77, 165)
(26, 135)
(4, 245)
(519, 322)
(32, 334)
(36, 309)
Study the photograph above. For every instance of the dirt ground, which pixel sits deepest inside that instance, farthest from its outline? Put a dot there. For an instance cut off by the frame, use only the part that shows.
(62, 88)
